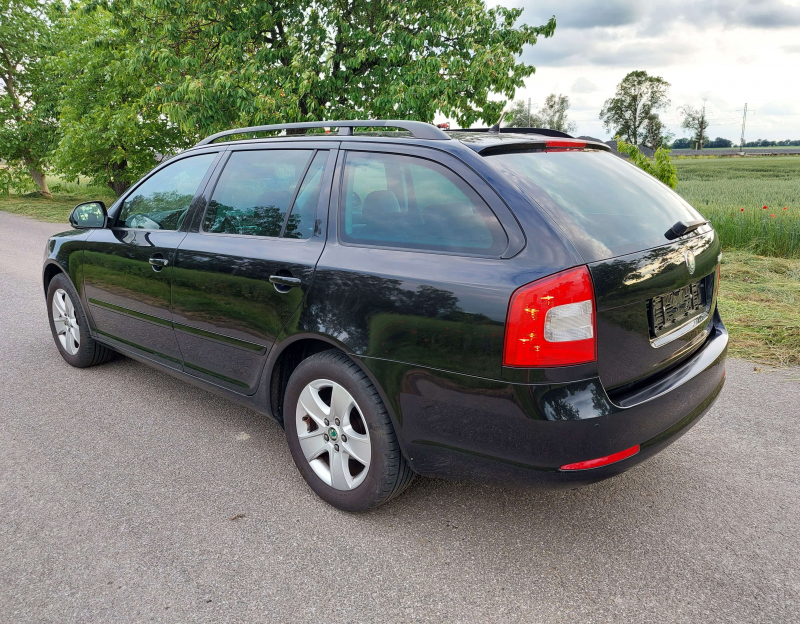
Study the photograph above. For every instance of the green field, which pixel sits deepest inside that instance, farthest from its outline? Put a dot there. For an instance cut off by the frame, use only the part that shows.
(732, 193)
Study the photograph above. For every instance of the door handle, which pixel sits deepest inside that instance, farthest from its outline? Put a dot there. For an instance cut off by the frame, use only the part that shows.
(158, 262)
(283, 280)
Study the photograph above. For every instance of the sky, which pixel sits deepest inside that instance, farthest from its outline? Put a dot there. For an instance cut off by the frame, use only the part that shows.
(730, 52)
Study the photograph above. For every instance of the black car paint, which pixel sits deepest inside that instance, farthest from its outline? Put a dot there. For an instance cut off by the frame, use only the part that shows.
(427, 328)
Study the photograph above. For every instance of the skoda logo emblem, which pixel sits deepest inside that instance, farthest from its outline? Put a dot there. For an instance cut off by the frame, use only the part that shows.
(690, 261)
(332, 433)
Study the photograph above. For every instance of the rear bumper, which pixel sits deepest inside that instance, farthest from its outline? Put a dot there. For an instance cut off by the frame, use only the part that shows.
(460, 427)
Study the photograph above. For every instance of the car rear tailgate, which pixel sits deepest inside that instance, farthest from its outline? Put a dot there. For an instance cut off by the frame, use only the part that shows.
(654, 307)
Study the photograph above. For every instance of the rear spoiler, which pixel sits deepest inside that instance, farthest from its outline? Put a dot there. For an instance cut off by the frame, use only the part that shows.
(523, 144)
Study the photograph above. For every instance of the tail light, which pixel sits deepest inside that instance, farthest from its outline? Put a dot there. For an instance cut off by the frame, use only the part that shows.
(551, 322)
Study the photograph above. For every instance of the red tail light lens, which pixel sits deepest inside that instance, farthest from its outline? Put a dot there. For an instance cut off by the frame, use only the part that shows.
(602, 461)
(551, 322)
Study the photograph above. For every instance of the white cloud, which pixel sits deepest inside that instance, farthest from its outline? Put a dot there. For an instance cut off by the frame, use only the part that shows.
(728, 51)
(584, 85)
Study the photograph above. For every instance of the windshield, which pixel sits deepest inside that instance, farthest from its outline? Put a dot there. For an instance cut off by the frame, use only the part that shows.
(604, 204)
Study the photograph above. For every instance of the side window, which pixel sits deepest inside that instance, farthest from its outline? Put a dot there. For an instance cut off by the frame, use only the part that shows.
(255, 191)
(301, 221)
(162, 201)
(403, 201)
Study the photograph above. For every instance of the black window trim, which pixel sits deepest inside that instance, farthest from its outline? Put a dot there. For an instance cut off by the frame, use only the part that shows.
(271, 148)
(117, 205)
(412, 153)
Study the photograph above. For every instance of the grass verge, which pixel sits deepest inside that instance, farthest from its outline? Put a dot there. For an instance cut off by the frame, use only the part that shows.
(759, 300)
(66, 195)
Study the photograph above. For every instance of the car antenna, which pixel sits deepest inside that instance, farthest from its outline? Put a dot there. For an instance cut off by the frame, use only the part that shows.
(496, 127)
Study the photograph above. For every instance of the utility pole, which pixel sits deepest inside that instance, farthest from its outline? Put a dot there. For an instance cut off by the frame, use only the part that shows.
(744, 119)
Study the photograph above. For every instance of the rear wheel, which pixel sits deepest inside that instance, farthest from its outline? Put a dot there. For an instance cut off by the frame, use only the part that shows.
(340, 434)
(70, 327)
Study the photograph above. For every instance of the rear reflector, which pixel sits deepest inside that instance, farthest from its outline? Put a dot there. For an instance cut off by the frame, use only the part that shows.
(569, 143)
(602, 461)
(551, 322)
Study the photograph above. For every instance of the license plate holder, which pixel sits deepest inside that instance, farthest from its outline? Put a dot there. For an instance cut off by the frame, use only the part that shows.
(670, 311)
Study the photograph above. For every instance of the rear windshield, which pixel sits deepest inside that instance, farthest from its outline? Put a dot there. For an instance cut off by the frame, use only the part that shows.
(604, 204)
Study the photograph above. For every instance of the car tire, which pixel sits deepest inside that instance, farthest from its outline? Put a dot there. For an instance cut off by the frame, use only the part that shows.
(70, 327)
(352, 473)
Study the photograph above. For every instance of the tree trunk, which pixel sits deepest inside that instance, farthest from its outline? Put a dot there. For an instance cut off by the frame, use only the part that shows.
(39, 179)
(116, 184)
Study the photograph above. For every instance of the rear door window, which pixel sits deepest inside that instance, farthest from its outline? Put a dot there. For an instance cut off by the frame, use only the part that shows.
(403, 201)
(255, 191)
(605, 205)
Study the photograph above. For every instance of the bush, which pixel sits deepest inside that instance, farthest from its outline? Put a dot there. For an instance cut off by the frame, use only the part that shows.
(660, 167)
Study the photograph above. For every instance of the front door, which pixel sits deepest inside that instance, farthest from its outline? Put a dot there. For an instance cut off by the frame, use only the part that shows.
(246, 265)
(128, 268)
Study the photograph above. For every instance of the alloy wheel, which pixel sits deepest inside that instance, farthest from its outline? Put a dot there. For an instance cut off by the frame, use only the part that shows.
(66, 324)
(333, 434)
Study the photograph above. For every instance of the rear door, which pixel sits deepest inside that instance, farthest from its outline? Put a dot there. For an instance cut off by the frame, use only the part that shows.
(655, 298)
(128, 267)
(248, 261)
(415, 271)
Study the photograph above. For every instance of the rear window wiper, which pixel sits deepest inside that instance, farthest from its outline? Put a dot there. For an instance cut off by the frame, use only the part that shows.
(683, 227)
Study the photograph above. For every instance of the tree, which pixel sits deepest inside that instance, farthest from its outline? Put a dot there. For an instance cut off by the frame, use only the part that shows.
(519, 116)
(720, 142)
(220, 66)
(655, 134)
(111, 131)
(681, 144)
(660, 167)
(637, 99)
(694, 119)
(552, 115)
(28, 125)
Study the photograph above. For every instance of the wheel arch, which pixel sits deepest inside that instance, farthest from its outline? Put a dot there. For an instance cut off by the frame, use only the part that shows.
(286, 357)
(51, 269)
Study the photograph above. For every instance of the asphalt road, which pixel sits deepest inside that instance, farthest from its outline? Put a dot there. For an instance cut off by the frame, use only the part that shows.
(127, 496)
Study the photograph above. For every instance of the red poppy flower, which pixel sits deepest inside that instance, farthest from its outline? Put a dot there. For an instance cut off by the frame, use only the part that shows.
(784, 207)
(764, 208)
(773, 216)
(742, 209)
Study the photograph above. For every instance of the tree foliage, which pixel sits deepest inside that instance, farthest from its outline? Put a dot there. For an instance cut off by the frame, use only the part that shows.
(631, 113)
(222, 64)
(696, 120)
(660, 167)
(28, 125)
(111, 130)
(552, 115)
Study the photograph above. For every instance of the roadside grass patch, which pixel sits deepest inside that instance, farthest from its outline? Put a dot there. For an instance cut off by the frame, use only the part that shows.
(66, 195)
(759, 301)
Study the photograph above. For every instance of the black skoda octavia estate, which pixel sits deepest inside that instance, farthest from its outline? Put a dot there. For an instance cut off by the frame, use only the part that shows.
(520, 307)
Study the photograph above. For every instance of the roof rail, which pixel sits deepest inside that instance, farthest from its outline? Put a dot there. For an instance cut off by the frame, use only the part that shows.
(419, 129)
(511, 130)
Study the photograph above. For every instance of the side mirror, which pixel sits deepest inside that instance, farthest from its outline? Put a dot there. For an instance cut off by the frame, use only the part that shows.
(89, 215)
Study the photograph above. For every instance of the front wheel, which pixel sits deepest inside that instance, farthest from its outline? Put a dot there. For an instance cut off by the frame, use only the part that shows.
(70, 327)
(340, 434)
